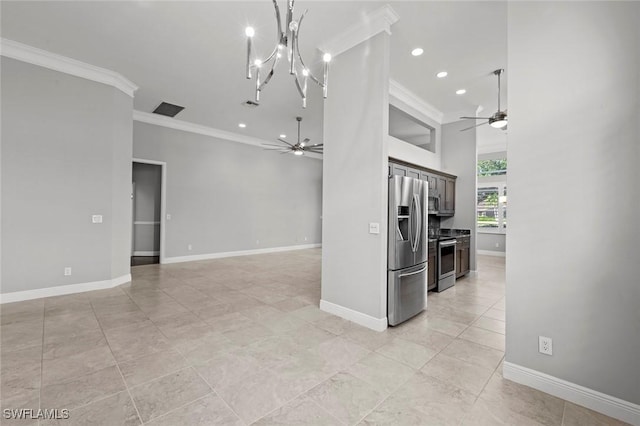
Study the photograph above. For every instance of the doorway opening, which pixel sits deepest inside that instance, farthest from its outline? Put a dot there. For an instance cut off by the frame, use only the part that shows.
(147, 212)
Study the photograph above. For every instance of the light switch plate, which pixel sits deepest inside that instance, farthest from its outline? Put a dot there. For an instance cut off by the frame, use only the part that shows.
(96, 218)
(374, 228)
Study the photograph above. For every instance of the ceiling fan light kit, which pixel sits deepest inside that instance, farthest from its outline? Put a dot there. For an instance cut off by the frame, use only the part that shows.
(299, 148)
(287, 41)
(497, 120)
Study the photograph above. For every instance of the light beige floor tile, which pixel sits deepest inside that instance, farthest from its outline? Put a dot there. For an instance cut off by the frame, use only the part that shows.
(82, 390)
(225, 369)
(28, 399)
(346, 397)
(439, 402)
(69, 325)
(117, 409)
(451, 314)
(309, 336)
(382, 372)
(289, 304)
(256, 395)
(495, 314)
(204, 348)
(444, 326)
(406, 352)
(474, 353)
(121, 319)
(484, 337)
(300, 411)
(228, 322)
(341, 353)
(209, 410)
(458, 373)
(490, 324)
(56, 347)
(433, 340)
(333, 324)
(484, 413)
(311, 313)
(283, 323)
(76, 365)
(21, 335)
(149, 367)
(525, 401)
(575, 415)
(167, 393)
(247, 335)
(30, 310)
(136, 340)
(367, 338)
(20, 371)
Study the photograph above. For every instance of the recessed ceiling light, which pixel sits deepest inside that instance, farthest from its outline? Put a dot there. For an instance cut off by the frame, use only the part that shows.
(417, 51)
(461, 92)
(442, 74)
(242, 125)
(283, 136)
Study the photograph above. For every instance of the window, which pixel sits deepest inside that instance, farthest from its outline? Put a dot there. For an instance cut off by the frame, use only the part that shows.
(492, 167)
(492, 208)
(492, 195)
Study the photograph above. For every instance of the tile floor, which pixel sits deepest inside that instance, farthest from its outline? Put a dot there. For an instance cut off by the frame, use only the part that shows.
(241, 341)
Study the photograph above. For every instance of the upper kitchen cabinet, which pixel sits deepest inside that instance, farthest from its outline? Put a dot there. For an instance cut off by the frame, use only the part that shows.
(446, 192)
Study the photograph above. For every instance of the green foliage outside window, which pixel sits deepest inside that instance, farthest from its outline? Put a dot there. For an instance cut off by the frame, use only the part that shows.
(492, 167)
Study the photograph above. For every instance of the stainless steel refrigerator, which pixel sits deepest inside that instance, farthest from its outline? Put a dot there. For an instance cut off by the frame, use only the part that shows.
(407, 251)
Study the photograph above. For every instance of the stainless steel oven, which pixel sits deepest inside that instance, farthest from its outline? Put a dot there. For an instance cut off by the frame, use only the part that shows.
(446, 263)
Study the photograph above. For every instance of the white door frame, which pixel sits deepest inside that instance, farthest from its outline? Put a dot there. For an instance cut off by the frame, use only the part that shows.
(163, 201)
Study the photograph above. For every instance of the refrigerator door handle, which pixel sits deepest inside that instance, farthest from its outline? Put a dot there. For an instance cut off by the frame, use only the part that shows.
(414, 272)
(411, 215)
(416, 200)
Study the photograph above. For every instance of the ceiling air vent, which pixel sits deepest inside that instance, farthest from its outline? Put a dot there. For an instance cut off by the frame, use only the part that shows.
(167, 109)
(250, 104)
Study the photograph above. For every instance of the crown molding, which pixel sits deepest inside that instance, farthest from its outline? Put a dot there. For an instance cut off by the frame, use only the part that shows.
(186, 126)
(406, 96)
(375, 22)
(32, 55)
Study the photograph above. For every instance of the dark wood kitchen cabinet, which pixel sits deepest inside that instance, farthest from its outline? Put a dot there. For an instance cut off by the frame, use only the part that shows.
(446, 190)
(463, 254)
(432, 266)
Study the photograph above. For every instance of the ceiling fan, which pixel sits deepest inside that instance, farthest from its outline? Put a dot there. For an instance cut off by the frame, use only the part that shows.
(299, 148)
(497, 120)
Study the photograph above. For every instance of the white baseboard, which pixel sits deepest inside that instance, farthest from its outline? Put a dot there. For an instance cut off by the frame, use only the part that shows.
(146, 253)
(492, 253)
(179, 259)
(18, 296)
(376, 324)
(594, 400)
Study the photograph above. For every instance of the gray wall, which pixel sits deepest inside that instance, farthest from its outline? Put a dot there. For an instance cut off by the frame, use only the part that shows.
(575, 278)
(355, 179)
(148, 181)
(459, 157)
(66, 155)
(487, 242)
(225, 196)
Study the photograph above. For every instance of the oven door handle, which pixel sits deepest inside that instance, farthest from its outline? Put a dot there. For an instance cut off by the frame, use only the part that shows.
(414, 272)
(448, 243)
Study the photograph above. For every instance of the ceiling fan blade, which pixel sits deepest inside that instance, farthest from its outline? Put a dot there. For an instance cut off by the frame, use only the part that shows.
(476, 118)
(477, 125)
(305, 140)
(273, 144)
(282, 140)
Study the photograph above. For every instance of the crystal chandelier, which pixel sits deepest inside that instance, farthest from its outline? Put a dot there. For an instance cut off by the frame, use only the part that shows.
(287, 44)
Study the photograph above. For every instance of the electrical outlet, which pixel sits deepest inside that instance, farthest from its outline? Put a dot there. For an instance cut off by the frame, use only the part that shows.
(497, 244)
(305, 238)
(189, 247)
(67, 271)
(96, 218)
(168, 216)
(257, 242)
(545, 345)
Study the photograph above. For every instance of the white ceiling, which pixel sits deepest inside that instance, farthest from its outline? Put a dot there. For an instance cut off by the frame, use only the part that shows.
(192, 53)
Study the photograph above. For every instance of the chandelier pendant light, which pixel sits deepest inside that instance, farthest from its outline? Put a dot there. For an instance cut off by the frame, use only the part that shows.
(287, 44)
